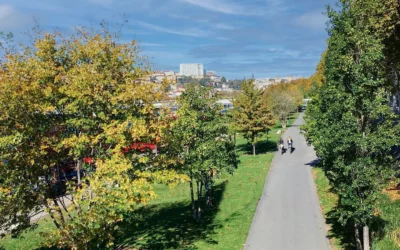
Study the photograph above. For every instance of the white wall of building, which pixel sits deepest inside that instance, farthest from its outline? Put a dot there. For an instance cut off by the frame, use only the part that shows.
(191, 69)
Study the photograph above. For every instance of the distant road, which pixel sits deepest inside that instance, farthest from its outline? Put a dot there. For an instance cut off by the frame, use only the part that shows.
(288, 215)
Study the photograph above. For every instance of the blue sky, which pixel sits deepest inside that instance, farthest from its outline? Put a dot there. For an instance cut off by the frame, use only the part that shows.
(236, 38)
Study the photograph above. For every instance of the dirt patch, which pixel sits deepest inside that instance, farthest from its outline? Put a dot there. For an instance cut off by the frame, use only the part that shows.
(393, 191)
(314, 174)
(396, 237)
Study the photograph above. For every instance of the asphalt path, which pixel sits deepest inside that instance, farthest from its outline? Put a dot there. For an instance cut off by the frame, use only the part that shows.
(288, 215)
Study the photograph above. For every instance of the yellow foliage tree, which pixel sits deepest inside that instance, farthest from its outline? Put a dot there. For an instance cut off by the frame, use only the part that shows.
(283, 99)
(65, 100)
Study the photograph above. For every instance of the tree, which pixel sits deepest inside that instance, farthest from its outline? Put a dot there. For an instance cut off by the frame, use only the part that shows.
(252, 114)
(319, 78)
(303, 84)
(284, 99)
(202, 136)
(223, 80)
(64, 100)
(205, 81)
(349, 122)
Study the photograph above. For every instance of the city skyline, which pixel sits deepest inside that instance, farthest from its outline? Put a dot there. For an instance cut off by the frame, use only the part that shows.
(235, 38)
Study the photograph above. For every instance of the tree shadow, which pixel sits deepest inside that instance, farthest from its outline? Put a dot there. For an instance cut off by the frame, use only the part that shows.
(169, 226)
(262, 147)
(345, 233)
(49, 248)
(314, 164)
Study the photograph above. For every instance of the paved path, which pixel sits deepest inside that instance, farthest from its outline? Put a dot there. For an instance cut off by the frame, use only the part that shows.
(288, 215)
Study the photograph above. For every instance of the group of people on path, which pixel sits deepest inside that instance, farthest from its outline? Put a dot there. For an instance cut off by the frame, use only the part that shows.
(289, 143)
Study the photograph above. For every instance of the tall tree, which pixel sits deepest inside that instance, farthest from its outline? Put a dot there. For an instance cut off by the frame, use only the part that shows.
(251, 113)
(349, 122)
(202, 136)
(318, 77)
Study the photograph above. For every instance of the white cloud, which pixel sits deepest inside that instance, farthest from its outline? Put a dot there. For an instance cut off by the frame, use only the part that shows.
(223, 26)
(194, 32)
(223, 7)
(10, 18)
(101, 2)
(151, 44)
(312, 20)
(5, 11)
(222, 38)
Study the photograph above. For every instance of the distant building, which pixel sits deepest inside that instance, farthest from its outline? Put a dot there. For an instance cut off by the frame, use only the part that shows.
(262, 83)
(211, 73)
(227, 104)
(160, 76)
(170, 76)
(191, 69)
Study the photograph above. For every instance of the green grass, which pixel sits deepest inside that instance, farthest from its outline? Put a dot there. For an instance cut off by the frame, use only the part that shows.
(327, 201)
(385, 229)
(166, 222)
(29, 240)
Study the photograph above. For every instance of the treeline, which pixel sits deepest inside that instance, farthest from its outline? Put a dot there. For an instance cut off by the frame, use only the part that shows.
(349, 120)
(81, 103)
(258, 110)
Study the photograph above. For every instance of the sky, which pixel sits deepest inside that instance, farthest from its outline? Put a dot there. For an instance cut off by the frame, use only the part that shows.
(236, 38)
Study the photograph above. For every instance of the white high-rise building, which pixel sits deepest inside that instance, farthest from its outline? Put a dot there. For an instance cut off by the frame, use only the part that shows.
(191, 69)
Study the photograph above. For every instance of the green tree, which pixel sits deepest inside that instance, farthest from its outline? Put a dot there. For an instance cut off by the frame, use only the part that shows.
(201, 133)
(223, 79)
(205, 81)
(251, 113)
(349, 122)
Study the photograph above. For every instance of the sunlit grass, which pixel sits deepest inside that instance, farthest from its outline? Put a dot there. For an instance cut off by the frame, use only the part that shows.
(166, 223)
(384, 237)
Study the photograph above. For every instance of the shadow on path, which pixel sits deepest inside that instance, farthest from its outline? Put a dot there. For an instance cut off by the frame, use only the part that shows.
(169, 226)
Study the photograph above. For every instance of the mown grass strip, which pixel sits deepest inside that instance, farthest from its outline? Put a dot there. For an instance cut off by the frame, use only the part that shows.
(386, 226)
(166, 222)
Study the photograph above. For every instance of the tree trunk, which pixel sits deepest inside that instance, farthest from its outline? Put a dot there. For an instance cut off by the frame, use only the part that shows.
(65, 207)
(284, 122)
(366, 237)
(58, 226)
(78, 170)
(208, 193)
(358, 238)
(77, 206)
(192, 197)
(254, 149)
(90, 198)
(59, 212)
(234, 139)
(199, 195)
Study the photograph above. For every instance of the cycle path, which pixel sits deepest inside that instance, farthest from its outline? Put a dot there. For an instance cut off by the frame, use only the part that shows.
(288, 215)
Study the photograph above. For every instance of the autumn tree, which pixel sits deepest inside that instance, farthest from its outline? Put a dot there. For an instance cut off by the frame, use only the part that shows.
(61, 101)
(318, 78)
(252, 113)
(202, 136)
(349, 121)
(283, 99)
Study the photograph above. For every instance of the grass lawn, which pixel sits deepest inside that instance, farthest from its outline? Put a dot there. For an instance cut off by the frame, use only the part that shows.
(166, 222)
(385, 230)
